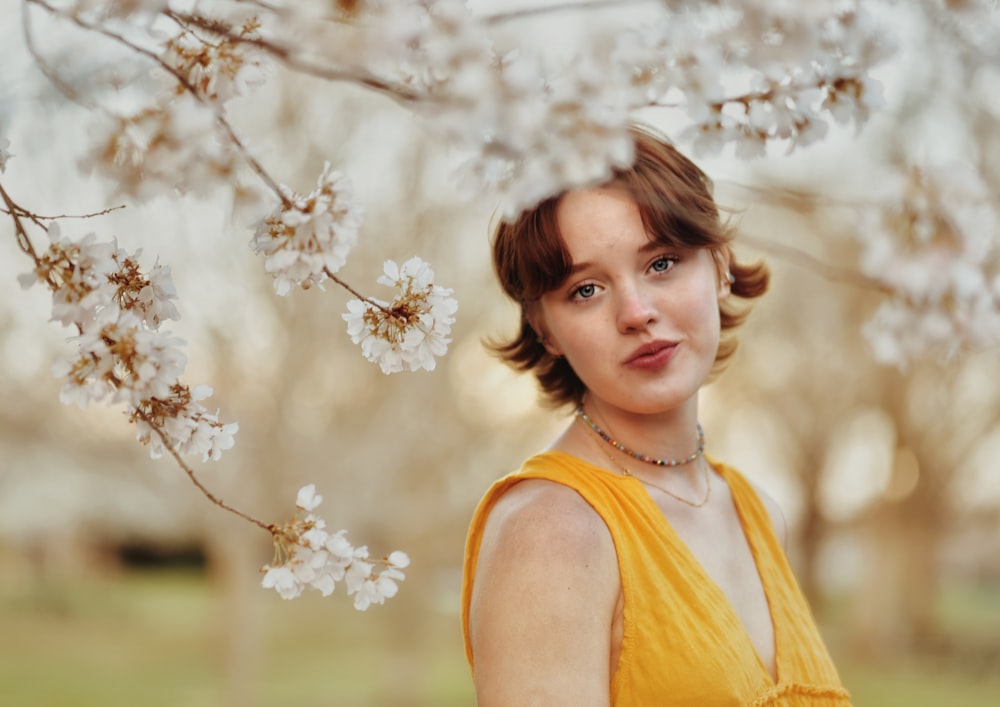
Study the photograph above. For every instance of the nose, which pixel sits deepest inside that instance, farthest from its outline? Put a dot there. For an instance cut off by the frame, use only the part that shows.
(636, 310)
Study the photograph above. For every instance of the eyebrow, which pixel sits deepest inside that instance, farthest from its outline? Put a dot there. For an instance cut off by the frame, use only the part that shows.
(649, 247)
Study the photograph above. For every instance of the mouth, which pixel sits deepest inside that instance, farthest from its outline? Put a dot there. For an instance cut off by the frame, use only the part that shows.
(652, 356)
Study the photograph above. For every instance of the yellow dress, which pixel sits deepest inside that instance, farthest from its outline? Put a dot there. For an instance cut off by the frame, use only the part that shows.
(683, 643)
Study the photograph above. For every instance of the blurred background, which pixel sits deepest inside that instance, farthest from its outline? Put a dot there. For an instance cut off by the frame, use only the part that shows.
(120, 584)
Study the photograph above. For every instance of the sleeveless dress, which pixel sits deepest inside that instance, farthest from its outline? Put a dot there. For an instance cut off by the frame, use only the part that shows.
(683, 642)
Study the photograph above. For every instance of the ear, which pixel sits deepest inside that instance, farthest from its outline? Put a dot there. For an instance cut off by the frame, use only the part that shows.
(536, 320)
(723, 260)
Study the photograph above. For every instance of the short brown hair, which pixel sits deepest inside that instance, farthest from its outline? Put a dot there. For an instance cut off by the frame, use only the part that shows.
(677, 208)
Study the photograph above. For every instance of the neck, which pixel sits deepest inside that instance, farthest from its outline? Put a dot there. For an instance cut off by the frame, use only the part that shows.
(668, 435)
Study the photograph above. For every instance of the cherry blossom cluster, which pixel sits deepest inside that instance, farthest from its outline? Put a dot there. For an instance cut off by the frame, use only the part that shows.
(412, 330)
(122, 356)
(172, 146)
(309, 237)
(545, 136)
(308, 555)
(219, 67)
(531, 130)
(524, 132)
(932, 246)
(176, 141)
(806, 68)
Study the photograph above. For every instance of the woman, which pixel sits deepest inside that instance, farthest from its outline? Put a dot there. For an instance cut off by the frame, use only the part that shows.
(621, 566)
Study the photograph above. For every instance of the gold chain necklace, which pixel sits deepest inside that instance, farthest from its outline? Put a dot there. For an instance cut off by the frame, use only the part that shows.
(693, 504)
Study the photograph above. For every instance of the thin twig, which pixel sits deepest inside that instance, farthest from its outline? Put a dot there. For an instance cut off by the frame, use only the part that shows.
(357, 294)
(20, 234)
(269, 527)
(834, 273)
(802, 201)
(47, 69)
(276, 9)
(398, 93)
(746, 99)
(502, 17)
(39, 217)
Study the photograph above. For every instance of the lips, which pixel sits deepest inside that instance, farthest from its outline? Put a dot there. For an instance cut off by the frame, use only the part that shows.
(651, 356)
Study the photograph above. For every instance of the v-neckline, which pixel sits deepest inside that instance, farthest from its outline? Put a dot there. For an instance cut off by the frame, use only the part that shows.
(673, 536)
(751, 542)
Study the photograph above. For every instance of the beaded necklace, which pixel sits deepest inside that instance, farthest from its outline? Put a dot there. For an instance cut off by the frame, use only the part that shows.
(626, 472)
(643, 457)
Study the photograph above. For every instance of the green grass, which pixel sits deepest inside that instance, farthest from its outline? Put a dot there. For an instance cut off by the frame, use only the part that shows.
(135, 641)
(913, 684)
(157, 639)
(962, 673)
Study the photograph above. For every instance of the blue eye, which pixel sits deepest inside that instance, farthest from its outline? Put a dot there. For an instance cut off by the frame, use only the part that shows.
(585, 291)
(663, 264)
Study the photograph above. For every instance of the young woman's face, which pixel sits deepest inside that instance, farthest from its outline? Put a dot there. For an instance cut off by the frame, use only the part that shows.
(637, 321)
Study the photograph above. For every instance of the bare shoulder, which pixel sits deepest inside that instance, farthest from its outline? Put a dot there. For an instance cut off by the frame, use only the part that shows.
(547, 518)
(777, 516)
(545, 589)
(540, 530)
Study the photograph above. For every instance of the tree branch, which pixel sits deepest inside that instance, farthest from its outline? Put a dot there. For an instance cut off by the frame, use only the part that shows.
(269, 527)
(801, 201)
(37, 218)
(20, 234)
(357, 294)
(182, 80)
(833, 273)
(398, 93)
(502, 17)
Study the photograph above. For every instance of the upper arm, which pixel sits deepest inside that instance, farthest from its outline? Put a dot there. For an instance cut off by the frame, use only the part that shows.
(543, 598)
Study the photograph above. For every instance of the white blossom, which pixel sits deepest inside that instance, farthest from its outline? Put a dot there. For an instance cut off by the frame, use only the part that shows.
(172, 146)
(308, 556)
(94, 281)
(217, 67)
(282, 580)
(308, 236)
(930, 245)
(124, 360)
(544, 133)
(366, 594)
(79, 274)
(188, 428)
(308, 499)
(410, 332)
(5, 154)
(155, 299)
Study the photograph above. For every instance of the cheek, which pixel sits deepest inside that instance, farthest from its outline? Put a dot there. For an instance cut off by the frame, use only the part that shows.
(574, 343)
(585, 346)
(558, 335)
(703, 310)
